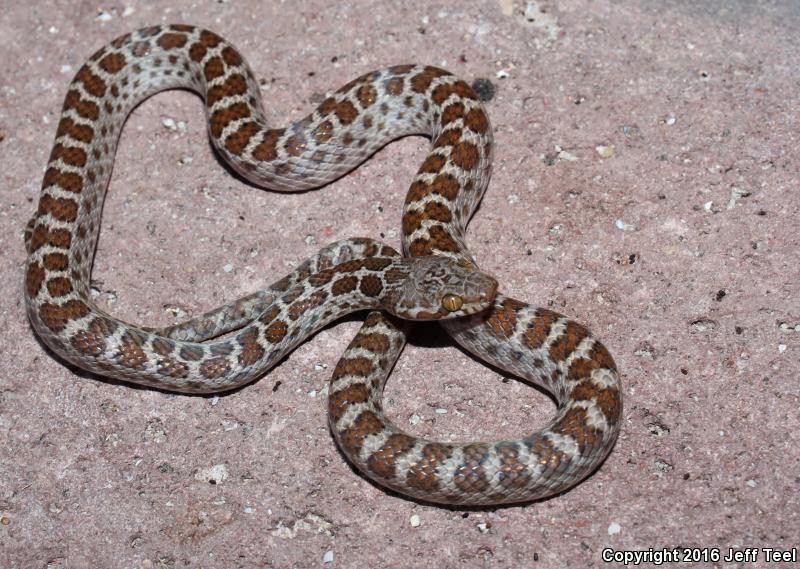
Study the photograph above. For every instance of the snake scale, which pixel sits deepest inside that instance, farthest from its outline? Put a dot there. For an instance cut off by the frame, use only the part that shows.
(435, 278)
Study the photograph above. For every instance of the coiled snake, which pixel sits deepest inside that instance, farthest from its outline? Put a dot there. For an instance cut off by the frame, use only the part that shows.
(436, 279)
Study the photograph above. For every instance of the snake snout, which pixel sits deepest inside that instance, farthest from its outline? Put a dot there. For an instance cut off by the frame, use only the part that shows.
(480, 292)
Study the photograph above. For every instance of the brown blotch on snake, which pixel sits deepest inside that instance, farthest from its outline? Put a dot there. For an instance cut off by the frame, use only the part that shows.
(423, 473)
(340, 401)
(71, 155)
(366, 424)
(86, 109)
(382, 461)
(33, 279)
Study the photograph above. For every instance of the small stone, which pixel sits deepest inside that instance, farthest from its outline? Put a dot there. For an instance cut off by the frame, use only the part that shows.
(619, 224)
(484, 88)
(564, 155)
(663, 465)
(170, 124)
(751, 483)
(175, 311)
(614, 528)
(103, 16)
(328, 557)
(657, 429)
(228, 268)
(605, 151)
(532, 11)
(155, 431)
(414, 419)
(781, 348)
(736, 195)
(128, 11)
(414, 521)
(703, 325)
(630, 130)
(216, 474)
(441, 411)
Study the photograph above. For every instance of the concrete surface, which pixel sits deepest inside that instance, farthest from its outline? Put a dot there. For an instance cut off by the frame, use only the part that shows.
(645, 184)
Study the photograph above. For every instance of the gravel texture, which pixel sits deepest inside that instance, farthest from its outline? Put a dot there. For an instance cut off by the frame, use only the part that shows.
(645, 184)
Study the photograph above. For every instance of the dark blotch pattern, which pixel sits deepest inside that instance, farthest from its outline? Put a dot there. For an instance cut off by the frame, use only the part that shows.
(424, 474)
(382, 462)
(213, 368)
(539, 328)
(422, 81)
(566, 343)
(131, 354)
(471, 477)
(502, 320)
(34, 277)
(56, 316)
(251, 349)
(172, 41)
(357, 366)
(574, 424)
(371, 286)
(344, 285)
(340, 401)
(112, 63)
(93, 84)
(276, 331)
(366, 424)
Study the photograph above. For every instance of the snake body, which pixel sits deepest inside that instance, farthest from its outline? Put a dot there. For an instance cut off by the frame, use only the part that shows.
(437, 278)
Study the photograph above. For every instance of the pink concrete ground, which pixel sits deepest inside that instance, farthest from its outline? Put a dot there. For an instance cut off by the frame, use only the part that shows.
(645, 183)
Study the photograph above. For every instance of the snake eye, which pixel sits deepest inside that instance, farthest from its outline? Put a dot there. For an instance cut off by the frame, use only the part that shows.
(452, 302)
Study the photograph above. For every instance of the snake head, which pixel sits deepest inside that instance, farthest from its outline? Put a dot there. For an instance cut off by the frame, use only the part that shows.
(439, 288)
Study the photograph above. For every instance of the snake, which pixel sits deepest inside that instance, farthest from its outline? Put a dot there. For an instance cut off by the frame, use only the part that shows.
(434, 277)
